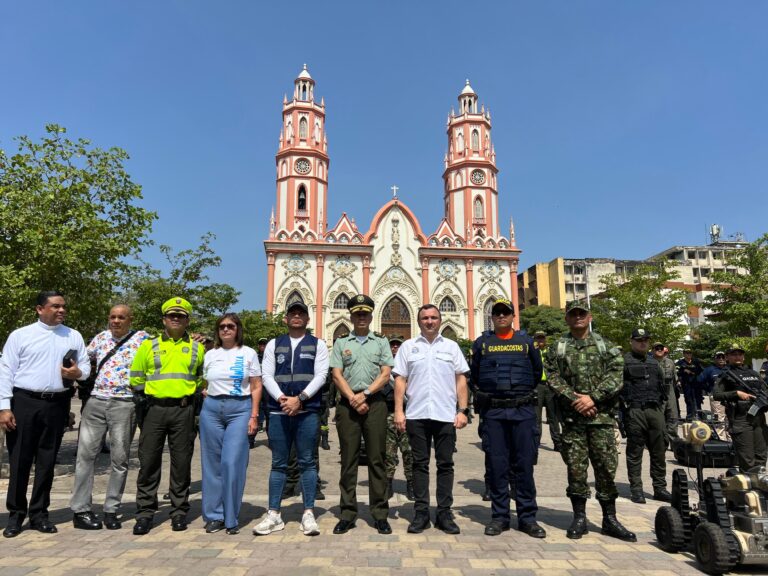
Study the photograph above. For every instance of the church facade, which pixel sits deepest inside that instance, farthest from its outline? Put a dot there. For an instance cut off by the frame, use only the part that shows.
(462, 267)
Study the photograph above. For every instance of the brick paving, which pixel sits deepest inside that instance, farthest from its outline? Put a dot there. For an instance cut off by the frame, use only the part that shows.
(362, 550)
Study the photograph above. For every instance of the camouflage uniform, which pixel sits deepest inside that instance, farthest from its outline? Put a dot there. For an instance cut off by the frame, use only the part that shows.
(397, 440)
(584, 369)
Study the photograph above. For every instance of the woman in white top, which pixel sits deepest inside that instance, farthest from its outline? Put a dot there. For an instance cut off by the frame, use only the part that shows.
(230, 412)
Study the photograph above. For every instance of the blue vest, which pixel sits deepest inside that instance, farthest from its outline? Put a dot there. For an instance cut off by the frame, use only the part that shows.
(294, 372)
(505, 368)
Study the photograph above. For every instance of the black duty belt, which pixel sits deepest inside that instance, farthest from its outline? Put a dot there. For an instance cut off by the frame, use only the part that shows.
(43, 395)
(644, 405)
(512, 402)
(184, 401)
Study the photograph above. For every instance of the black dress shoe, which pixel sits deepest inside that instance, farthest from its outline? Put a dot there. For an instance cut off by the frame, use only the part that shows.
(495, 528)
(45, 526)
(86, 521)
(419, 523)
(179, 523)
(12, 530)
(444, 522)
(382, 526)
(343, 526)
(111, 522)
(533, 530)
(214, 526)
(637, 498)
(662, 495)
(142, 526)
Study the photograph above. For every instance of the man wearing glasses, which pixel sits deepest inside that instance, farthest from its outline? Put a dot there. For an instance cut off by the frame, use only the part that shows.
(168, 370)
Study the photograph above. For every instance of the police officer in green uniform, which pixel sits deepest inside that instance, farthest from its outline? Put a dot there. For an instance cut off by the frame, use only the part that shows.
(736, 386)
(643, 399)
(585, 371)
(168, 369)
(361, 364)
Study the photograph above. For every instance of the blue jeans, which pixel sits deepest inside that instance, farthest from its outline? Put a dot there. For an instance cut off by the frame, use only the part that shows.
(284, 430)
(224, 456)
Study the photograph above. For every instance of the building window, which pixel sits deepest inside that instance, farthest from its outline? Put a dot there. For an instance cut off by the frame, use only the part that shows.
(447, 305)
(479, 214)
(341, 302)
(475, 140)
(342, 331)
(303, 128)
(449, 333)
(487, 322)
(702, 255)
(301, 203)
(691, 254)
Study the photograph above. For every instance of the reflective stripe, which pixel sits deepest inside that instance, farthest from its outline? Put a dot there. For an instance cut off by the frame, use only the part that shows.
(136, 374)
(171, 376)
(156, 354)
(282, 349)
(294, 378)
(193, 363)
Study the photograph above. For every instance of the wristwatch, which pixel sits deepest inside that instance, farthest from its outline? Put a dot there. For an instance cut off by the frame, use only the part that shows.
(303, 397)
(367, 393)
(464, 411)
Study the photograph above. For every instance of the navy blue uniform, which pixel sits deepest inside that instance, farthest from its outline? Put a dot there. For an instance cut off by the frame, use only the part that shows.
(505, 373)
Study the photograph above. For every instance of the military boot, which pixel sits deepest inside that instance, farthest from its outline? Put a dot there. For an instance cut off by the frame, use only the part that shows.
(487, 493)
(578, 526)
(612, 526)
(409, 491)
(324, 440)
(391, 489)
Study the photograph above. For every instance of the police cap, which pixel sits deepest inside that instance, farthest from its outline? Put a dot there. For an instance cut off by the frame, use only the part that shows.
(395, 339)
(640, 334)
(263, 341)
(297, 304)
(177, 305)
(719, 353)
(539, 334)
(360, 303)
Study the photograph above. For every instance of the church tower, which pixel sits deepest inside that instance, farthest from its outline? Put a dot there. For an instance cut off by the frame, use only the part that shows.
(302, 163)
(471, 197)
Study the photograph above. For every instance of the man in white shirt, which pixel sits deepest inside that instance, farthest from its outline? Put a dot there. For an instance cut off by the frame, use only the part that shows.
(34, 406)
(431, 370)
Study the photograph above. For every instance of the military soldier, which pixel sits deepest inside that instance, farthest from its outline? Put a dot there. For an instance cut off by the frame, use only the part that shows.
(644, 397)
(585, 371)
(672, 410)
(737, 386)
(546, 399)
(396, 439)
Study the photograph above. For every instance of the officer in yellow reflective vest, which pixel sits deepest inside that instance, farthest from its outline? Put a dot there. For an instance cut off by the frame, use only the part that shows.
(168, 369)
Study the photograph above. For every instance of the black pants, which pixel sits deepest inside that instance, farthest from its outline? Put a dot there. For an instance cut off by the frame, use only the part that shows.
(40, 425)
(177, 423)
(421, 433)
(646, 428)
(750, 439)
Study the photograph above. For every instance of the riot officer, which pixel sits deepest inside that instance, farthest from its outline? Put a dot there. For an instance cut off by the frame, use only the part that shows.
(644, 397)
(738, 386)
(506, 367)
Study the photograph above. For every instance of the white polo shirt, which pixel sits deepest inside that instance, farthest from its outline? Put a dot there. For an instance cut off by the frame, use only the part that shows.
(430, 369)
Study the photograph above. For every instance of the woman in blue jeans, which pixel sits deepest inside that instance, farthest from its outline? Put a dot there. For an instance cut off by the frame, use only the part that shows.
(230, 413)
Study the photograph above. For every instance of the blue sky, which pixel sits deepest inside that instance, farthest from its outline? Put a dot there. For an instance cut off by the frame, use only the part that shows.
(621, 128)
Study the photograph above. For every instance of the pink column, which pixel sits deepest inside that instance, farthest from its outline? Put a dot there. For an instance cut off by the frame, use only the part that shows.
(470, 300)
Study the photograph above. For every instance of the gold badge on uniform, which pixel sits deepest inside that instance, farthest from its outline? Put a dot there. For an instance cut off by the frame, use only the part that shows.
(185, 349)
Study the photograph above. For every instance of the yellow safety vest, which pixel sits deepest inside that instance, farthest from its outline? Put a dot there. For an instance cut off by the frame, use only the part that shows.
(167, 368)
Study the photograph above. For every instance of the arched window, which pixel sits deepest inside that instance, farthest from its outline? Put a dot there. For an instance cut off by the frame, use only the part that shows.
(283, 169)
(341, 302)
(487, 322)
(475, 140)
(447, 305)
(340, 332)
(301, 203)
(449, 333)
(303, 128)
(479, 213)
(396, 319)
(294, 296)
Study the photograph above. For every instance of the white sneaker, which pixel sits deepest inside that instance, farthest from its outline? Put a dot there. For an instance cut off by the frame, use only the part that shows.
(309, 524)
(272, 522)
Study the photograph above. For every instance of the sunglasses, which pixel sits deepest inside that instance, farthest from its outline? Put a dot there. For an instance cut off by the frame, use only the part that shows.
(227, 327)
(658, 347)
(501, 313)
(175, 316)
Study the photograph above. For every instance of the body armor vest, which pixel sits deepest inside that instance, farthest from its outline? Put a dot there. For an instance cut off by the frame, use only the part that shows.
(505, 368)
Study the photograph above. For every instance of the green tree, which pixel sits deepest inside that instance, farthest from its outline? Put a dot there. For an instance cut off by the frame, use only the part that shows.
(545, 318)
(708, 338)
(146, 288)
(642, 300)
(260, 324)
(741, 300)
(68, 218)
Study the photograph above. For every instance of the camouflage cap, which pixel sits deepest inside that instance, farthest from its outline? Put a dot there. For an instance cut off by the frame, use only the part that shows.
(658, 345)
(576, 305)
(640, 334)
(395, 339)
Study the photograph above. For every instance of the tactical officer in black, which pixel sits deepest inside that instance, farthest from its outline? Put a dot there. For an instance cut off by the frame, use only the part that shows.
(644, 399)
(738, 386)
(506, 367)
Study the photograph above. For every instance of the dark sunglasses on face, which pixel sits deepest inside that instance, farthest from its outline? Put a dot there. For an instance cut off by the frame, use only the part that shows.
(227, 327)
(502, 313)
(175, 316)
(658, 348)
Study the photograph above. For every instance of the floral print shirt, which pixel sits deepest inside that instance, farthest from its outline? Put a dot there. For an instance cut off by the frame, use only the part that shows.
(112, 381)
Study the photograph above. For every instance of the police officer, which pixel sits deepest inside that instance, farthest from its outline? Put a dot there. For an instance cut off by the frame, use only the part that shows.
(585, 371)
(737, 387)
(671, 410)
(506, 365)
(688, 370)
(168, 369)
(546, 399)
(397, 440)
(644, 397)
(707, 381)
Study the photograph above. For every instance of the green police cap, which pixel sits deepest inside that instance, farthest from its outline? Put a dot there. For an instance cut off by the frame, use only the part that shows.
(360, 303)
(178, 305)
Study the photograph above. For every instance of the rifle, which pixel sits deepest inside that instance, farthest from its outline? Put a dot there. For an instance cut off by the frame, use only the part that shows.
(761, 395)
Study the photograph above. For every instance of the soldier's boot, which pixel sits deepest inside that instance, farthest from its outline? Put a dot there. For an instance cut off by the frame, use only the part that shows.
(487, 494)
(611, 525)
(391, 489)
(578, 526)
(324, 440)
(409, 490)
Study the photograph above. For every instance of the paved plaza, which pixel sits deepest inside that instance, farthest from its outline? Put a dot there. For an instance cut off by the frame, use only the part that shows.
(362, 550)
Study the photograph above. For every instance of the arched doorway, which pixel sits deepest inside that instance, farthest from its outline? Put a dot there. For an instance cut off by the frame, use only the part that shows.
(396, 319)
(449, 333)
(341, 331)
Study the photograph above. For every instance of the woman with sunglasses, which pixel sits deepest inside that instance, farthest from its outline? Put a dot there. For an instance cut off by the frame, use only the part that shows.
(230, 413)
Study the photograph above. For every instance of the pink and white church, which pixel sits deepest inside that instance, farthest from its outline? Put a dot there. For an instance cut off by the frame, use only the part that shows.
(462, 267)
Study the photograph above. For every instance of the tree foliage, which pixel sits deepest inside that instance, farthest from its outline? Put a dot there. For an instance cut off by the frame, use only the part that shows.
(545, 318)
(68, 218)
(260, 324)
(642, 300)
(146, 288)
(741, 300)
(708, 338)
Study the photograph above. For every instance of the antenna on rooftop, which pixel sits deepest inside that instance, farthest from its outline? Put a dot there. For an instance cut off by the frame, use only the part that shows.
(714, 233)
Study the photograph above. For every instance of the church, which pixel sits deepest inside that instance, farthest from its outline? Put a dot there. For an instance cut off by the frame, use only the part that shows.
(462, 267)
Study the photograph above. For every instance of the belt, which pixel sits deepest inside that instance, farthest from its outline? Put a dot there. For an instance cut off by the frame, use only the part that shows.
(644, 405)
(228, 397)
(114, 398)
(43, 395)
(512, 402)
(184, 401)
